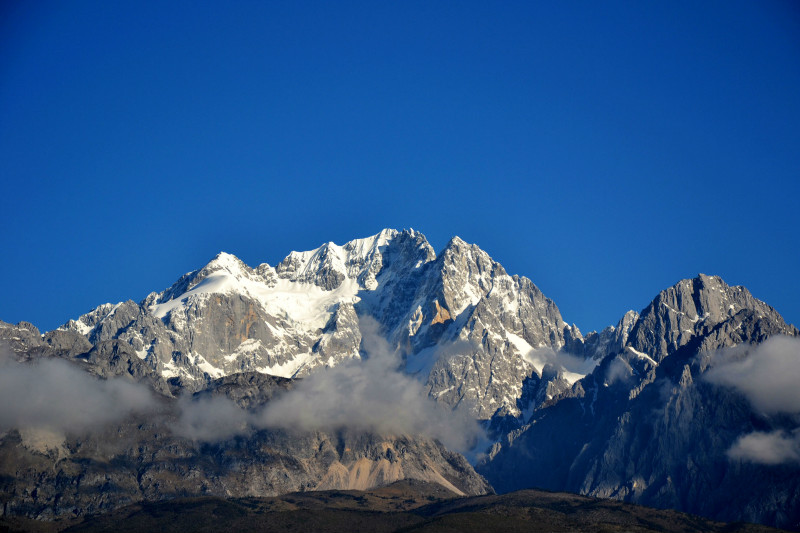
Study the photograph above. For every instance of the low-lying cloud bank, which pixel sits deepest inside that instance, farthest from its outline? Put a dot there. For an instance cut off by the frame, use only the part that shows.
(371, 395)
(56, 395)
(768, 375)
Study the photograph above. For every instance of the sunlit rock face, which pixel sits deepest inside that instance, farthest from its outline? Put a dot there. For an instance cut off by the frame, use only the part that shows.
(462, 325)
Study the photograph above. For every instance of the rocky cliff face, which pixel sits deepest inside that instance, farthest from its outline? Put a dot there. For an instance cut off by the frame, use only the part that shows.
(649, 426)
(471, 329)
(46, 476)
(463, 325)
(688, 309)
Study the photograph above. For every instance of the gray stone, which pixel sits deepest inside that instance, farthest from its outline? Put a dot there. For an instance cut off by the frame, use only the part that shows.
(646, 428)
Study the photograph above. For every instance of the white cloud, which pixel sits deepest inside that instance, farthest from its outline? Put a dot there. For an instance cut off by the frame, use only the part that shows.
(570, 367)
(369, 395)
(617, 370)
(56, 395)
(767, 374)
(772, 448)
(210, 419)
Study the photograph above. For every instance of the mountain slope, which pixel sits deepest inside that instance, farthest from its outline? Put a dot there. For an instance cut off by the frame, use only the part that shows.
(402, 506)
(83, 445)
(462, 324)
(650, 426)
(690, 403)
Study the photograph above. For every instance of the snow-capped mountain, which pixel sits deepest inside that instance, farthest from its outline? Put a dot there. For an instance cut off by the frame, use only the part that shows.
(228, 317)
(688, 404)
(477, 336)
(461, 323)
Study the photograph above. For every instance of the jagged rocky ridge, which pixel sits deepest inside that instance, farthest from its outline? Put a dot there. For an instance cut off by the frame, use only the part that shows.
(463, 325)
(629, 416)
(647, 426)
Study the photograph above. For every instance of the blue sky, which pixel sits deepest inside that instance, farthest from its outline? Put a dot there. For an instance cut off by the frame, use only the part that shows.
(605, 150)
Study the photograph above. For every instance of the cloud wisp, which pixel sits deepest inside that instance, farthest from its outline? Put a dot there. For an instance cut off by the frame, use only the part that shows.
(568, 366)
(768, 375)
(768, 448)
(210, 419)
(369, 395)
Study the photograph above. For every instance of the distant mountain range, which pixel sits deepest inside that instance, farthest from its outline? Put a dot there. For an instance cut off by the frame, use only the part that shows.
(688, 404)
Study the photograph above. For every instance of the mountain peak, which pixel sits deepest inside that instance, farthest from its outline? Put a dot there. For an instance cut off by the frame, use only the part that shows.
(359, 260)
(457, 243)
(224, 260)
(679, 313)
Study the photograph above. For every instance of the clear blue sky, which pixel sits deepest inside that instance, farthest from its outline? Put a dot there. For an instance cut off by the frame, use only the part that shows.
(603, 149)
